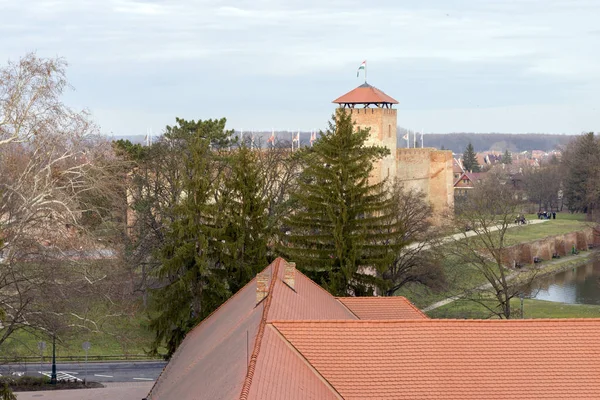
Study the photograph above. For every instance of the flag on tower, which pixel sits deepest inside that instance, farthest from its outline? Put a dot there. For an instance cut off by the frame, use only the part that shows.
(363, 66)
(405, 137)
(296, 138)
(313, 137)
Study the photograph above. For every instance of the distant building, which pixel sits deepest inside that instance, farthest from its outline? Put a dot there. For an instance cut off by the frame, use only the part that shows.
(427, 169)
(466, 182)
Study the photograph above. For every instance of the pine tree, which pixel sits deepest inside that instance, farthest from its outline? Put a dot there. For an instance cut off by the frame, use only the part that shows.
(193, 277)
(506, 157)
(470, 159)
(337, 227)
(243, 214)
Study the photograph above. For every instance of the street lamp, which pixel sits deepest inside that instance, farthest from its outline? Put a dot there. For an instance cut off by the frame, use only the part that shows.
(53, 375)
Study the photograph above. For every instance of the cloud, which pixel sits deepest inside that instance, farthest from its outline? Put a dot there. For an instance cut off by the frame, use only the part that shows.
(232, 46)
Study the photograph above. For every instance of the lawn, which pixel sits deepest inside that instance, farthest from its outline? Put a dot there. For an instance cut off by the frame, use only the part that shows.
(459, 276)
(124, 336)
(553, 227)
(465, 309)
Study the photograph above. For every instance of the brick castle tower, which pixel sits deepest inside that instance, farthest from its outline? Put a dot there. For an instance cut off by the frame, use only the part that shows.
(374, 111)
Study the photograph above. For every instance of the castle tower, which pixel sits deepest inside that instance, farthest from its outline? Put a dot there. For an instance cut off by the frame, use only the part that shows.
(374, 111)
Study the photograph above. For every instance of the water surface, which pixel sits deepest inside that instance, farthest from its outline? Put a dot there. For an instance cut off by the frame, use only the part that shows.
(575, 286)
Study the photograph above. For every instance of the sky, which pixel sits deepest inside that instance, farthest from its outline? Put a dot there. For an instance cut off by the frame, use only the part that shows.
(511, 66)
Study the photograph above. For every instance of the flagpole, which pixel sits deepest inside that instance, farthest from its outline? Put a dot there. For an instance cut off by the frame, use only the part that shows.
(365, 71)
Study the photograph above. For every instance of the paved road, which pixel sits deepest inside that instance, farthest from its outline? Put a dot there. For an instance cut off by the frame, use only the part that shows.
(473, 232)
(124, 371)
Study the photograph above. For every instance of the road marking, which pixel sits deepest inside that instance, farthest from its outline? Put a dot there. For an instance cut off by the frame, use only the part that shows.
(144, 379)
(61, 376)
(104, 376)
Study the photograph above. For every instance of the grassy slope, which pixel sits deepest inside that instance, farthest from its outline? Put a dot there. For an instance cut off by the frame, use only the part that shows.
(532, 309)
(460, 276)
(564, 223)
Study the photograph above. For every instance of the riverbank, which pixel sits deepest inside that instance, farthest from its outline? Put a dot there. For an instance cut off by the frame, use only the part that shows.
(532, 308)
(544, 269)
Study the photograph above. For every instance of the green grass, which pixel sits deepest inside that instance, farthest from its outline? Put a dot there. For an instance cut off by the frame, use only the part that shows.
(465, 309)
(553, 227)
(123, 335)
(458, 278)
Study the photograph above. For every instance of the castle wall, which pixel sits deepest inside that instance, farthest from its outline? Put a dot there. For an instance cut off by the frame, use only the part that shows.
(430, 171)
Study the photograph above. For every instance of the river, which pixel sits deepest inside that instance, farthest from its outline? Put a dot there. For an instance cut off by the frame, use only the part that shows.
(579, 285)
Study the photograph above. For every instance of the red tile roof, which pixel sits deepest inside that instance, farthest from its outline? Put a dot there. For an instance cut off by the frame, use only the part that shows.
(365, 94)
(453, 359)
(302, 343)
(213, 360)
(378, 308)
(283, 373)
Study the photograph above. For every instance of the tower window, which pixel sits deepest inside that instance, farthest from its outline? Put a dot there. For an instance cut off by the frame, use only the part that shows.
(389, 131)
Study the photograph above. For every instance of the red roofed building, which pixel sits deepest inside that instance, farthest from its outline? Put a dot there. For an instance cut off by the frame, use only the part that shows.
(283, 337)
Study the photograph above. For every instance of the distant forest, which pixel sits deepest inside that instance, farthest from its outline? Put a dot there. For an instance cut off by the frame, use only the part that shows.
(457, 142)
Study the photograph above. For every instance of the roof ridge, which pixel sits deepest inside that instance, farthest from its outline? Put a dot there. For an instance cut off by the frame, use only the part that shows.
(437, 321)
(346, 307)
(259, 335)
(417, 309)
(322, 289)
(203, 321)
(303, 358)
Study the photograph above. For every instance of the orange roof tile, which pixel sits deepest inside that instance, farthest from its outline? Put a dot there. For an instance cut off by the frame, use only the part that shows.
(453, 359)
(378, 308)
(212, 362)
(282, 373)
(365, 94)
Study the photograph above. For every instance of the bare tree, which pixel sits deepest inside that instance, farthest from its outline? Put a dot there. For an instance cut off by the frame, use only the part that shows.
(415, 262)
(543, 186)
(57, 193)
(490, 209)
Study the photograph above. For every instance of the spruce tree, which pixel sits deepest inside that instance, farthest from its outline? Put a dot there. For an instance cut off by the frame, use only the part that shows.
(336, 230)
(470, 159)
(192, 277)
(506, 157)
(243, 215)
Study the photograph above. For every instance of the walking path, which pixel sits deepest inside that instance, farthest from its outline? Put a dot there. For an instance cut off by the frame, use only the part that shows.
(473, 232)
(508, 278)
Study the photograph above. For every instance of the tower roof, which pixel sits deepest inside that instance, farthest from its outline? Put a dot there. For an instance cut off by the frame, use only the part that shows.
(365, 94)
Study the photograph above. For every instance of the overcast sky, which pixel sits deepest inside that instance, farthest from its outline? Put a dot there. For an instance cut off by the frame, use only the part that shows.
(453, 65)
